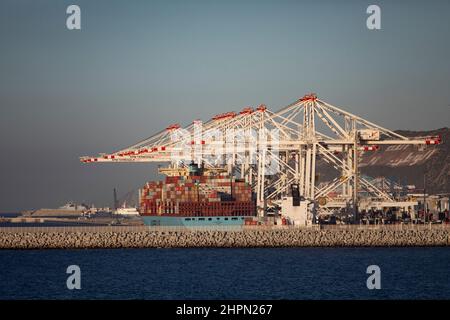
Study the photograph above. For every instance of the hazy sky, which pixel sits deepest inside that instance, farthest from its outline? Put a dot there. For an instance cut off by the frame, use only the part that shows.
(137, 66)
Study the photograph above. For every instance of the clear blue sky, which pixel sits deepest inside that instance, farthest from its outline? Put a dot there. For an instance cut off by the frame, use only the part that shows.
(137, 66)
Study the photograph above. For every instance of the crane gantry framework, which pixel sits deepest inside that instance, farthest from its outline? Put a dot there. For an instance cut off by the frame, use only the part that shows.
(274, 150)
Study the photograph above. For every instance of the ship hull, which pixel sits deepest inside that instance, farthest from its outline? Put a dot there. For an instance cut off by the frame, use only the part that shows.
(204, 221)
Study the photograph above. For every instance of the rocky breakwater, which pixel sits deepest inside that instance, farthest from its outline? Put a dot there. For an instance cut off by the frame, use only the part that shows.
(227, 239)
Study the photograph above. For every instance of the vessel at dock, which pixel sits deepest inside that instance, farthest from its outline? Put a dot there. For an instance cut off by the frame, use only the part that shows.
(196, 196)
(70, 209)
(126, 211)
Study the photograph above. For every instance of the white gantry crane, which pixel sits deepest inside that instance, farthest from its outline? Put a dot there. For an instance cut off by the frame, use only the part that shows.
(278, 152)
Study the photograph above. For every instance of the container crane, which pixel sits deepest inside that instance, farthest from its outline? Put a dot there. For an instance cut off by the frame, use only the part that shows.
(290, 140)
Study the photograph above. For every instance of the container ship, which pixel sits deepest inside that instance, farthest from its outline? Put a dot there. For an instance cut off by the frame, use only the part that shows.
(195, 196)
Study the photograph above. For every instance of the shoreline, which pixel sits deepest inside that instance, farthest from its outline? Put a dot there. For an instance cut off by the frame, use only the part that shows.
(245, 238)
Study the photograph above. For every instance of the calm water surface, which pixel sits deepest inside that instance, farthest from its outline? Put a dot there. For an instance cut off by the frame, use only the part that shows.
(300, 273)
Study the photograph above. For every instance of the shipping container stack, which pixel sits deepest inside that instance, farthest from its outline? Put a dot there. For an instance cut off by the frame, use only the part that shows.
(197, 196)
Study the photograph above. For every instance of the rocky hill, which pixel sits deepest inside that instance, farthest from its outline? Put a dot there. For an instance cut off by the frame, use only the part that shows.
(406, 165)
(409, 164)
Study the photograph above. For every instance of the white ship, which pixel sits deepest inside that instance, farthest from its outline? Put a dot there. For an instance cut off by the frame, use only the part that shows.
(69, 209)
(126, 211)
(71, 206)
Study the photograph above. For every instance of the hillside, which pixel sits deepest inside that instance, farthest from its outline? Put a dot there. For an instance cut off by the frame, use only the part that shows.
(408, 164)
